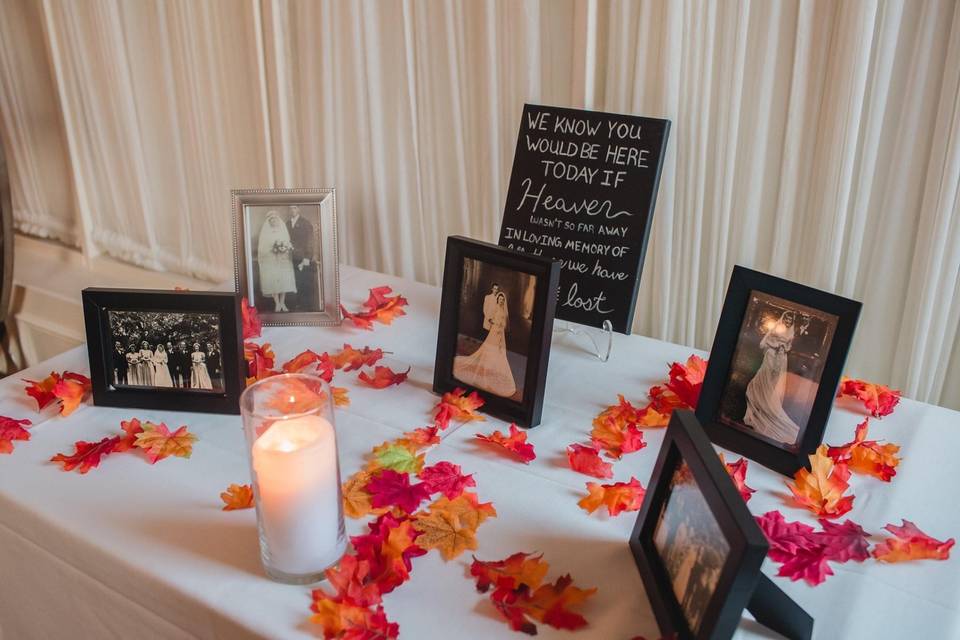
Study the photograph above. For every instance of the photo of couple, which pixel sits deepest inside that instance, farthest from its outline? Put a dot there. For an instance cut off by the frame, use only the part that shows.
(493, 333)
(173, 350)
(286, 273)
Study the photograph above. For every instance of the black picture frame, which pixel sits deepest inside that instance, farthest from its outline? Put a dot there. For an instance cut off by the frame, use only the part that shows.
(526, 412)
(98, 302)
(740, 584)
(768, 452)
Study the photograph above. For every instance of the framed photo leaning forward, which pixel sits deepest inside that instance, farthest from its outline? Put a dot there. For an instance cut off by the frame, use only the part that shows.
(776, 361)
(496, 323)
(698, 548)
(175, 350)
(285, 254)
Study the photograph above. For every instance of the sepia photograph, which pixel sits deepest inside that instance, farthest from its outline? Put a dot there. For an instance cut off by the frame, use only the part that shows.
(493, 328)
(691, 545)
(157, 349)
(776, 369)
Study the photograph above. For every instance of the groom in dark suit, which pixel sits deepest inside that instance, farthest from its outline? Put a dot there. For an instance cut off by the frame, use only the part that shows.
(304, 266)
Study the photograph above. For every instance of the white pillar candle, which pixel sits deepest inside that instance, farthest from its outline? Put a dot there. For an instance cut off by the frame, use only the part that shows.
(295, 463)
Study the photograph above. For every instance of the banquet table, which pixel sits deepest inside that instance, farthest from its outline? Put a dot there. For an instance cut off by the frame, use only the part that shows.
(135, 550)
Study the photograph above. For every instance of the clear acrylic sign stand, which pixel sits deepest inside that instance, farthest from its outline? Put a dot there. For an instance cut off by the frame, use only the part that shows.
(601, 340)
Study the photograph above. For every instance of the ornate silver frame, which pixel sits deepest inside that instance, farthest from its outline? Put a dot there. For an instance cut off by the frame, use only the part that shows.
(329, 292)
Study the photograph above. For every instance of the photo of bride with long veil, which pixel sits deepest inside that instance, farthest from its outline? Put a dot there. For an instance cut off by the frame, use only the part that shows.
(776, 368)
(493, 329)
(488, 367)
(275, 261)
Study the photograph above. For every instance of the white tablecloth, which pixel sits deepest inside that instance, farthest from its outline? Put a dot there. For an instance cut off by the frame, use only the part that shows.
(138, 551)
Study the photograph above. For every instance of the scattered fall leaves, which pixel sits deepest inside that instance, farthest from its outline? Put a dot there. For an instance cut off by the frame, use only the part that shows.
(70, 389)
(459, 406)
(158, 442)
(383, 377)
(516, 443)
(350, 359)
(617, 428)
(867, 456)
(523, 599)
(910, 543)
(822, 488)
(878, 399)
(237, 496)
(379, 307)
(12, 429)
(586, 459)
(616, 497)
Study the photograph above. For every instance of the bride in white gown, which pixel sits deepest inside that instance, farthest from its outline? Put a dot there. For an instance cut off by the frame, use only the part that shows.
(765, 391)
(487, 368)
(274, 259)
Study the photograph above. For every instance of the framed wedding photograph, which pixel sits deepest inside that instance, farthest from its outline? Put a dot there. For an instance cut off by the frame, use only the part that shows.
(776, 361)
(179, 350)
(698, 548)
(496, 323)
(285, 254)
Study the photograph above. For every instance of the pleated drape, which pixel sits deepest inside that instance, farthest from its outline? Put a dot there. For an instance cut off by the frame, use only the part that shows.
(814, 139)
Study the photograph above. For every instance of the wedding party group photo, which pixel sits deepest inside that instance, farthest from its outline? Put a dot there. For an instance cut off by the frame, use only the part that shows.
(157, 349)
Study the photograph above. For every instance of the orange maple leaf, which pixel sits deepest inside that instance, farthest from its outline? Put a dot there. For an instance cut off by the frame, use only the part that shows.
(910, 543)
(132, 428)
(616, 497)
(341, 618)
(356, 498)
(516, 443)
(457, 405)
(617, 428)
(71, 389)
(379, 307)
(158, 442)
(446, 533)
(296, 395)
(383, 377)
(251, 320)
(301, 361)
(510, 573)
(821, 489)
(10, 430)
(87, 455)
(42, 390)
(341, 396)
(350, 359)
(260, 359)
(237, 496)
(550, 604)
(868, 456)
(879, 399)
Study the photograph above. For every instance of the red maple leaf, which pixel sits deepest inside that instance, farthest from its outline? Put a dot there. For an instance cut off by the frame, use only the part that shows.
(516, 443)
(42, 390)
(383, 377)
(390, 488)
(867, 456)
(878, 399)
(457, 405)
(132, 428)
(379, 307)
(738, 472)
(446, 478)
(910, 543)
(10, 430)
(587, 460)
(251, 320)
(388, 548)
(87, 455)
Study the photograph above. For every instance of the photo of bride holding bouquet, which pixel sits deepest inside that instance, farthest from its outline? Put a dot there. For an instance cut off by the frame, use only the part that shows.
(275, 261)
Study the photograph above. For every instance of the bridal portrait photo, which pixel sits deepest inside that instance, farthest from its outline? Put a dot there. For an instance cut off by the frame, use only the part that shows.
(282, 257)
(157, 349)
(493, 328)
(776, 369)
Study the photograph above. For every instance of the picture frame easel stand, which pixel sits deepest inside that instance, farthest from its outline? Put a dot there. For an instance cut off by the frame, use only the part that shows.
(600, 339)
(774, 609)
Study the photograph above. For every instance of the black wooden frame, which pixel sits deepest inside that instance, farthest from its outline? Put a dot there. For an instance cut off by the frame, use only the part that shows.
(777, 457)
(97, 302)
(686, 441)
(526, 413)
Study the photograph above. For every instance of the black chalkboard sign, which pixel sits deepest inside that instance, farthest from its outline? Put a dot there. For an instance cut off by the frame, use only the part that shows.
(582, 191)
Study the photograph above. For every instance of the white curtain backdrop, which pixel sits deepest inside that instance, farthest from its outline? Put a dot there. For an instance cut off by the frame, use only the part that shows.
(817, 140)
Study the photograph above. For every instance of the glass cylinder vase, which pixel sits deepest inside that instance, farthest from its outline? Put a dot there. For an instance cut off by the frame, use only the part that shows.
(292, 446)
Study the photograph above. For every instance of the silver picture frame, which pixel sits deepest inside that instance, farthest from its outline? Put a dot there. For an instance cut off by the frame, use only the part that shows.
(248, 204)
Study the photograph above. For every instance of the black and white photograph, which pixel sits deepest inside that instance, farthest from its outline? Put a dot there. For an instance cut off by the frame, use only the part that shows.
(691, 545)
(776, 361)
(286, 254)
(496, 323)
(776, 368)
(493, 329)
(166, 349)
